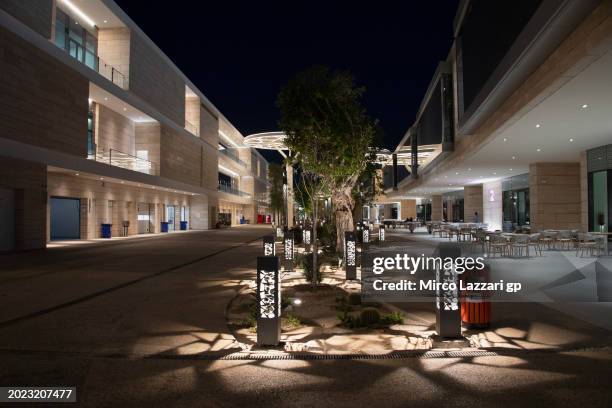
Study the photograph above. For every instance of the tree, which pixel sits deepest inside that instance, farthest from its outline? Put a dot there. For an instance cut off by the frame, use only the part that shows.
(330, 133)
(277, 197)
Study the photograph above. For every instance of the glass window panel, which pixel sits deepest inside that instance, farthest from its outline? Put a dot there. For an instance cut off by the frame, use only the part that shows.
(90, 60)
(60, 33)
(600, 200)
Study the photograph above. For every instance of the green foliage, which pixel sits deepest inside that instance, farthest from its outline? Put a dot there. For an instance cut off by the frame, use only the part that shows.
(348, 320)
(369, 316)
(309, 268)
(325, 123)
(392, 318)
(298, 260)
(327, 237)
(293, 320)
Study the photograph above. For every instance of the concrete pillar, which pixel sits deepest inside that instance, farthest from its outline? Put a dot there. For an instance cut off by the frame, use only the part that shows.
(289, 169)
(554, 194)
(436, 208)
(472, 202)
(407, 209)
(492, 209)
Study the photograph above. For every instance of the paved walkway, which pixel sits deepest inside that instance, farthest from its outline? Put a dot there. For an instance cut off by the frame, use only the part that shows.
(126, 322)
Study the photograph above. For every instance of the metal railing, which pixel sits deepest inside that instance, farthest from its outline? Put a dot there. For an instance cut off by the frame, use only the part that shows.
(127, 161)
(111, 73)
(232, 190)
(229, 153)
(190, 127)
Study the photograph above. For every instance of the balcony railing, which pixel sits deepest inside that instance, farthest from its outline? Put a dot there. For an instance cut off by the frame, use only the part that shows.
(229, 153)
(190, 127)
(127, 161)
(88, 58)
(231, 190)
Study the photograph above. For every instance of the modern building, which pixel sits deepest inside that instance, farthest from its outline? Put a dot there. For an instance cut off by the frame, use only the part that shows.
(98, 126)
(516, 124)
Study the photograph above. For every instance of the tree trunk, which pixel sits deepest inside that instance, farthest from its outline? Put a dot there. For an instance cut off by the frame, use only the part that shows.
(315, 246)
(343, 210)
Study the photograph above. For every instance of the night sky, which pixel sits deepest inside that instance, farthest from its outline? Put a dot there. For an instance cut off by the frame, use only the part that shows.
(239, 54)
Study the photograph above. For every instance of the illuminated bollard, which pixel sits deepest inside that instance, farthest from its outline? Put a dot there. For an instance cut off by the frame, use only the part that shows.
(269, 245)
(365, 235)
(350, 255)
(448, 310)
(288, 245)
(307, 239)
(268, 301)
(381, 233)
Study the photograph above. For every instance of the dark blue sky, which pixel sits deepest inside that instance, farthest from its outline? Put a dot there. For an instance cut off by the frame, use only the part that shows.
(241, 53)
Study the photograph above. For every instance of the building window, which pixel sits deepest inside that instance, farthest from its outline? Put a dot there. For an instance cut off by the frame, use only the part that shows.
(600, 200)
(91, 143)
(76, 40)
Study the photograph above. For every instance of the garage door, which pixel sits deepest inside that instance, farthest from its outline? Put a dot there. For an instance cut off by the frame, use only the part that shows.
(65, 222)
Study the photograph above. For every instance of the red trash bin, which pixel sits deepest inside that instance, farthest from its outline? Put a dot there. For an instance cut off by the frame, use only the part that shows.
(476, 305)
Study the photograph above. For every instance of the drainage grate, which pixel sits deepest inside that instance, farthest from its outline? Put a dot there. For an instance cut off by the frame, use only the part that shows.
(398, 355)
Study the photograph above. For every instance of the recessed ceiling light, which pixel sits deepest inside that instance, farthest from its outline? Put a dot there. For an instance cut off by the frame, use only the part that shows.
(456, 173)
(101, 178)
(105, 21)
(106, 98)
(494, 173)
(538, 150)
(538, 125)
(122, 181)
(124, 109)
(513, 157)
(470, 169)
(505, 139)
(76, 174)
(571, 140)
(510, 169)
(445, 176)
(585, 106)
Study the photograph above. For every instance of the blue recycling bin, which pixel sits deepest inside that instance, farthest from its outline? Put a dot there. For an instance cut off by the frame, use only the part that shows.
(183, 225)
(164, 226)
(106, 230)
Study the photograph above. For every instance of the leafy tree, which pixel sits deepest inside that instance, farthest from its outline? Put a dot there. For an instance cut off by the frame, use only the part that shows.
(330, 133)
(277, 197)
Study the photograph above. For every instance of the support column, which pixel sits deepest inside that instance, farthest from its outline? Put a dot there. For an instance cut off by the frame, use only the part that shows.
(472, 203)
(492, 210)
(407, 209)
(289, 170)
(436, 208)
(554, 195)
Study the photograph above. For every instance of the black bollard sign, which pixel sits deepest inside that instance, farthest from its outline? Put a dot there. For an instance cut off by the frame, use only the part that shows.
(307, 238)
(448, 311)
(365, 235)
(269, 246)
(350, 255)
(279, 233)
(288, 245)
(381, 233)
(268, 301)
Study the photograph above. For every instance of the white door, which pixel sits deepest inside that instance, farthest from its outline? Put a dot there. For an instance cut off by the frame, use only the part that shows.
(7, 220)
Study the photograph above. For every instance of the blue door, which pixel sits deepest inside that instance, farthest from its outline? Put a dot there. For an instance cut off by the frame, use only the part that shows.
(65, 220)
